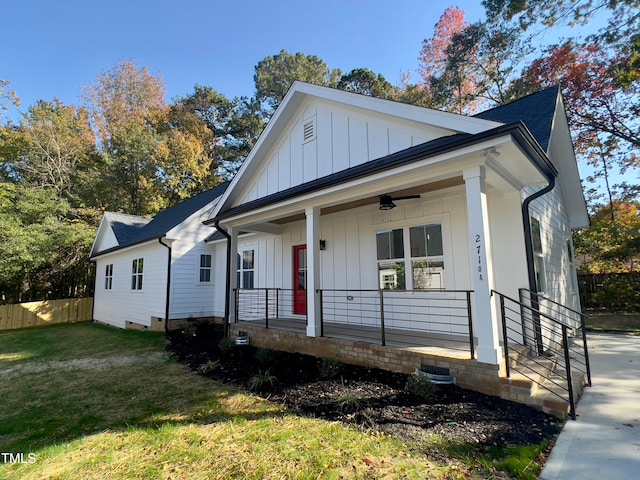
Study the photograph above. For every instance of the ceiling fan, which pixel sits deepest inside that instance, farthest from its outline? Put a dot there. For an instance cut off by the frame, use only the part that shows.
(386, 201)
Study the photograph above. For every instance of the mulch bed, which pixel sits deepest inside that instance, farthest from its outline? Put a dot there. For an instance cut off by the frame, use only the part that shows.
(371, 398)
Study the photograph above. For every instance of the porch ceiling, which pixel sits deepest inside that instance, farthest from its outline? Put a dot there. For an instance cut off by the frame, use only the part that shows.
(371, 200)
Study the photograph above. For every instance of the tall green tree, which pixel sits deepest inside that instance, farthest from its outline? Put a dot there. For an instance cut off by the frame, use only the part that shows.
(231, 126)
(128, 109)
(50, 146)
(366, 82)
(612, 242)
(44, 245)
(275, 74)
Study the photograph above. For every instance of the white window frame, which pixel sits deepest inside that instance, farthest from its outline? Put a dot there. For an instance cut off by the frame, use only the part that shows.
(538, 257)
(204, 268)
(242, 271)
(446, 258)
(108, 277)
(137, 274)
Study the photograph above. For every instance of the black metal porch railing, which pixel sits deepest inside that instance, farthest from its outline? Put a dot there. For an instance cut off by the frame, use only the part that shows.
(440, 318)
(544, 340)
(413, 318)
(268, 305)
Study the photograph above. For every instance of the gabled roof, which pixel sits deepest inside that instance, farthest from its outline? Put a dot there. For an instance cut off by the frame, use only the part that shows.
(536, 111)
(301, 92)
(132, 230)
(125, 226)
(531, 117)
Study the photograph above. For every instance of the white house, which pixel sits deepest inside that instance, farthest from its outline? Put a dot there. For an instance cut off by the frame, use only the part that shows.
(372, 231)
(366, 219)
(150, 270)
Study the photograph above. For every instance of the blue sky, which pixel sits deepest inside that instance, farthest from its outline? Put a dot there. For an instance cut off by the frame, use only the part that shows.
(52, 48)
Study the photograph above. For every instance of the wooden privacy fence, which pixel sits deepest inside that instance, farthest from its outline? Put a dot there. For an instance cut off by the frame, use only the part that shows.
(48, 312)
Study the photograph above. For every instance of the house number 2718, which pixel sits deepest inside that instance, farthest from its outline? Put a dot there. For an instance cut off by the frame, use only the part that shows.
(478, 249)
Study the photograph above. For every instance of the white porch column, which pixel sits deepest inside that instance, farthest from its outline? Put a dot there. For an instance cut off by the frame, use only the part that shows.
(233, 272)
(485, 320)
(313, 271)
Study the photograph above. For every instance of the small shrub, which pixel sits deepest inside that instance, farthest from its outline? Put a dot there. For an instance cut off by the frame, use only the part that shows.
(331, 367)
(262, 381)
(421, 386)
(225, 345)
(210, 366)
(266, 355)
(349, 401)
(189, 330)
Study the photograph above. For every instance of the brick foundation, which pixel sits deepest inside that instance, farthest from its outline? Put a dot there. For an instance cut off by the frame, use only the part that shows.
(470, 374)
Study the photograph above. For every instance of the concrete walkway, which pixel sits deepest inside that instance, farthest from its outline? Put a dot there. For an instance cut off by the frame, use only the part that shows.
(604, 442)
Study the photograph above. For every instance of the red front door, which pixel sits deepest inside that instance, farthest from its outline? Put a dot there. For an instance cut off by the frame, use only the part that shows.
(300, 280)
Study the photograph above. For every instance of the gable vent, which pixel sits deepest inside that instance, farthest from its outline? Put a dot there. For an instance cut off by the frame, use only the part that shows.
(308, 131)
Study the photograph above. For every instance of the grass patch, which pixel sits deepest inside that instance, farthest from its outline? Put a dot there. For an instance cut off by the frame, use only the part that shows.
(523, 462)
(84, 415)
(614, 322)
(67, 341)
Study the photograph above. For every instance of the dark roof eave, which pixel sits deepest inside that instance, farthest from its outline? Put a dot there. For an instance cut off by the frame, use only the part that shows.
(518, 130)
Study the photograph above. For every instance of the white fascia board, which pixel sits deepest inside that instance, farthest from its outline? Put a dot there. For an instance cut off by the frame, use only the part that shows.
(224, 240)
(445, 120)
(569, 175)
(153, 241)
(99, 234)
(441, 166)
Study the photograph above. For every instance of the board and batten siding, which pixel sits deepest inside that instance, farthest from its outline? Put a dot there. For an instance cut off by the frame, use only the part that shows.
(189, 297)
(342, 138)
(121, 304)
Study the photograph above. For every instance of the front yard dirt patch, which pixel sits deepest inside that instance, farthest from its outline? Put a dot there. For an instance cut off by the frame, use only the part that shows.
(370, 398)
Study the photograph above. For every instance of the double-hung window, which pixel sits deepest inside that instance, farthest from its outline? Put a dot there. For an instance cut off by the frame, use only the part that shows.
(246, 269)
(411, 258)
(538, 258)
(137, 270)
(108, 277)
(205, 268)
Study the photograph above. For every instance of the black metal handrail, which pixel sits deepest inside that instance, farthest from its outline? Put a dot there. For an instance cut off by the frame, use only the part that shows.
(561, 310)
(514, 314)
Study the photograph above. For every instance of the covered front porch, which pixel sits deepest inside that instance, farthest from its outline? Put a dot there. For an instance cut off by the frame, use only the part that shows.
(396, 254)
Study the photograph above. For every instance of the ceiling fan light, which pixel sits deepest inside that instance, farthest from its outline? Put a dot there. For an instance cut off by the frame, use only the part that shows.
(386, 202)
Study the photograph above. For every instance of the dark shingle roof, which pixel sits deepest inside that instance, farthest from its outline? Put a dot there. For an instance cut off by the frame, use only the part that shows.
(131, 230)
(536, 111)
(169, 218)
(125, 226)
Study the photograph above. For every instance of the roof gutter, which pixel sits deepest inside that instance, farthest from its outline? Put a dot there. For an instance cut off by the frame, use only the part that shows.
(227, 288)
(528, 245)
(168, 296)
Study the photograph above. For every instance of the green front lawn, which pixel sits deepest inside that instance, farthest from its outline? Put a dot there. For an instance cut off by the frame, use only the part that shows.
(90, 401)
